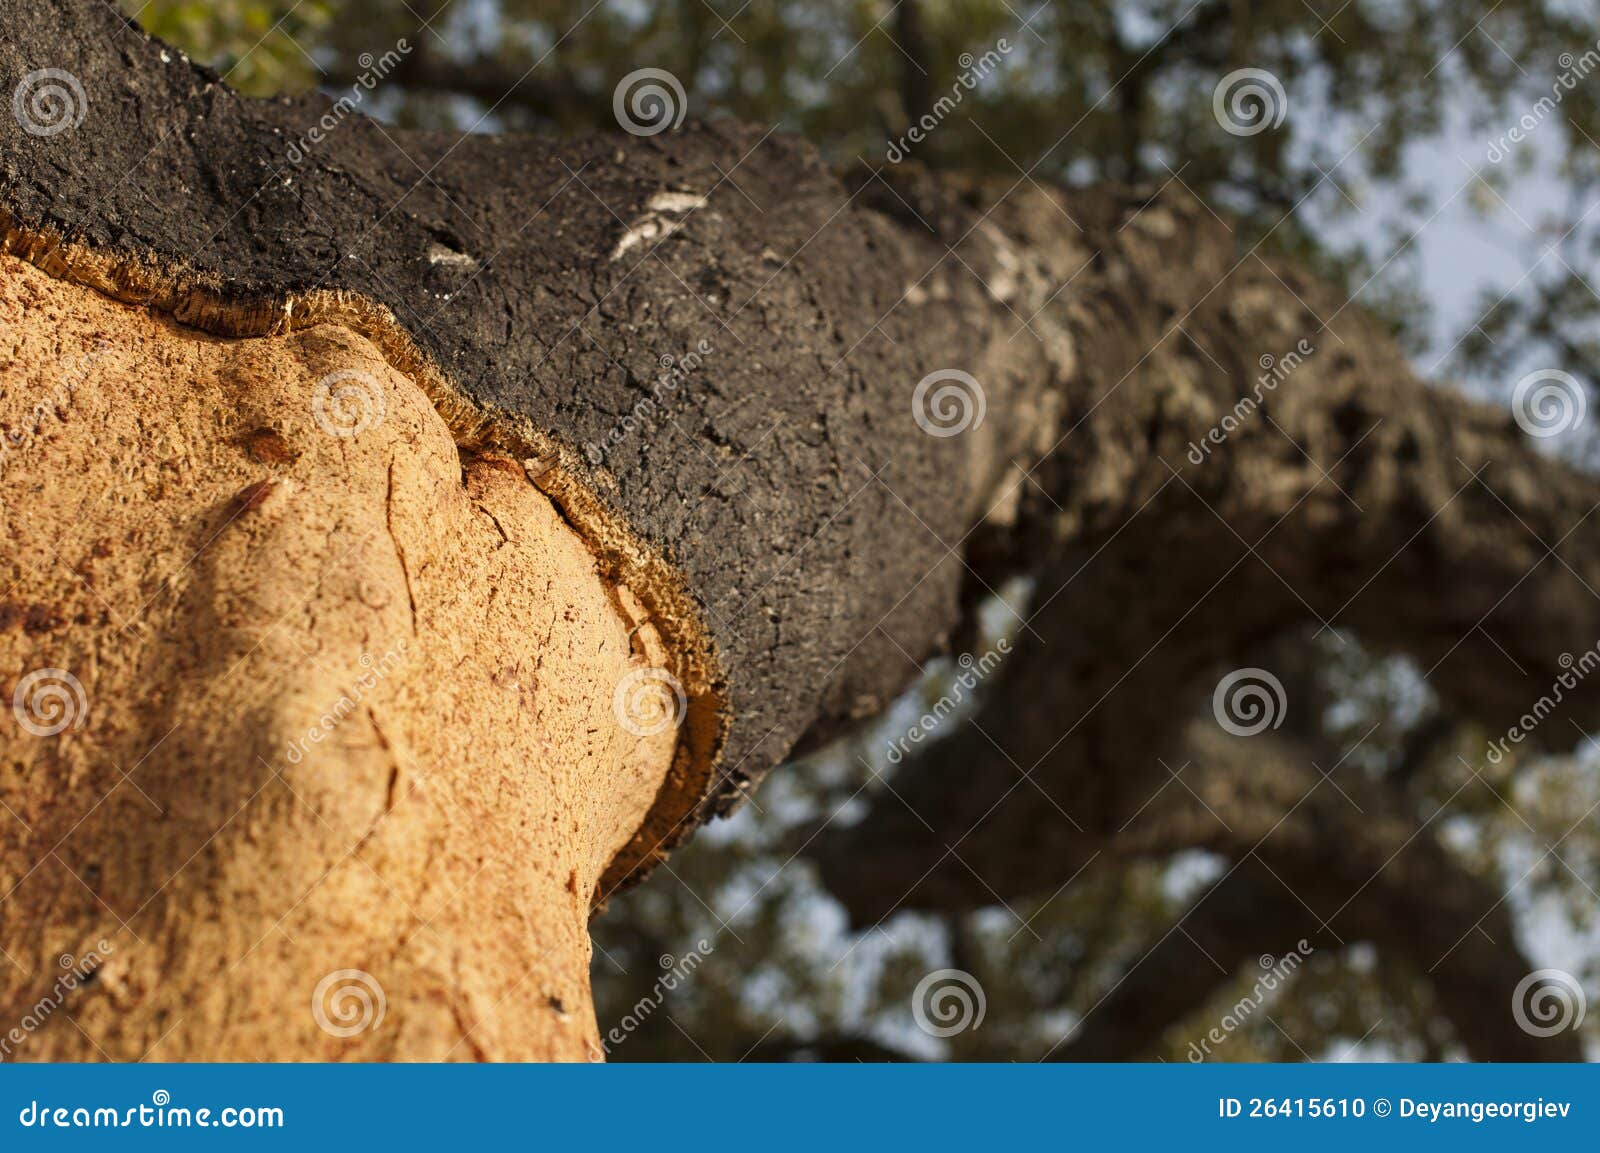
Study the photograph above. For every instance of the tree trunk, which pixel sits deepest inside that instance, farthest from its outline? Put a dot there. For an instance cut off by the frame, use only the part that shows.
(315, 747)
(657, 481)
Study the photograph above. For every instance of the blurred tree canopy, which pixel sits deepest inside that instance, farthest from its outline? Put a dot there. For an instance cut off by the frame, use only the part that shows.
(1396, 111)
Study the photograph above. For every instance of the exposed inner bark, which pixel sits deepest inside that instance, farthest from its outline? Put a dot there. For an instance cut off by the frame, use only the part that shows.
(335, 698)
(800, 539)
(784, 489)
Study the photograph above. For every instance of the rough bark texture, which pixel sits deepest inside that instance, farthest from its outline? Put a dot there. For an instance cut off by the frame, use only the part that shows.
(797, 537)
(533, 287)
(307, 710)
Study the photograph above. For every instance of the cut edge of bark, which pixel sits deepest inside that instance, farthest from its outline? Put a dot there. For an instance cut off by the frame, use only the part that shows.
(692, 787)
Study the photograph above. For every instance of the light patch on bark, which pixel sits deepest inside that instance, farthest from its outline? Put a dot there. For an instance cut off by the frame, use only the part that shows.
(656, 223)
(1005, 281)
(439, 254)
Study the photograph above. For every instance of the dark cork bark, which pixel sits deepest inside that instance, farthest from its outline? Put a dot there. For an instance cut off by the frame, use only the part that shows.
(800, 537)
(780, 504)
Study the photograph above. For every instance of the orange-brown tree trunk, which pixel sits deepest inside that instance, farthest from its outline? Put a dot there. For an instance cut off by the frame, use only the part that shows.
(320, 735)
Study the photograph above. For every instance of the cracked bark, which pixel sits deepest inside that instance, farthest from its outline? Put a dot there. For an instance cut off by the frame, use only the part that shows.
(317, 792)
(788, 528)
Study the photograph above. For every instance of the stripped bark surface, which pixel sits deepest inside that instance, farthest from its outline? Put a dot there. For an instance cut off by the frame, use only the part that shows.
(795, 532)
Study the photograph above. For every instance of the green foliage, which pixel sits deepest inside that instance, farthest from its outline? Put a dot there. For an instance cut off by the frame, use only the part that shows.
(259, 46)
